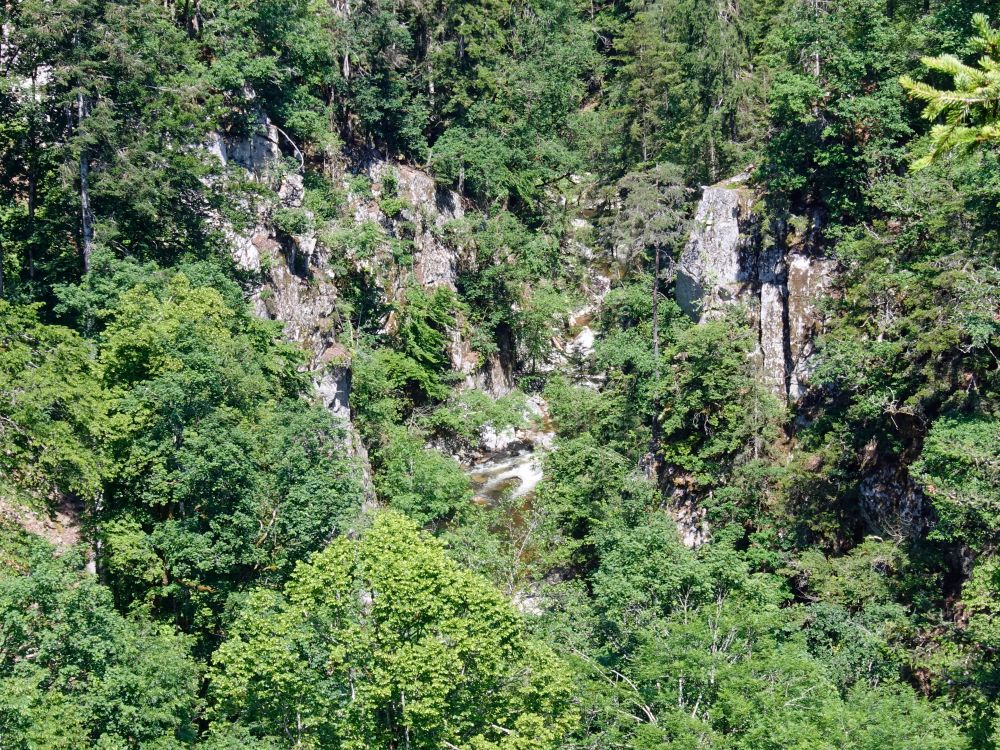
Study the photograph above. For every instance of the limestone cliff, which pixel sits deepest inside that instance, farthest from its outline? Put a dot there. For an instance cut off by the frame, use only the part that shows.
(301, 276)
(727, 262)
(719, 263)
(781, 283)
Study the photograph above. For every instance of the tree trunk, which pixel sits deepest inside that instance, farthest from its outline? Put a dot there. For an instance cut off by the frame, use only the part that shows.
(655, 427)
(656, 318)
(86, 216)
(34, 149)
(32, 200)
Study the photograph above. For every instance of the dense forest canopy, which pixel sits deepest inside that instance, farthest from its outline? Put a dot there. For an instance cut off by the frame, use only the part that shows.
(361, 384)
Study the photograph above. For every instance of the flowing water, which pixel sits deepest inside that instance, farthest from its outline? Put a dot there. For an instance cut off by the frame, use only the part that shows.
(517, 467)
(514, 467)
(516, 471)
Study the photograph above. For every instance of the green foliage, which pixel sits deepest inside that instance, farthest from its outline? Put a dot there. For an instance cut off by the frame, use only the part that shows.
(975, 99)
(688, 646)
(835, 104)
(913, 324)
(506, 541)
(508, 289)
(292, 221)
(388, 386)
(418, 481)
(389, 383)
(465, 415)
(117, 92)
(75, 673)
(681, 89)
(585, 483)
(384, 640)
(542, 315)
(625, 352)
(650, 217)
(629, 594)
(391, 206)
(321, 198)
(16, 546)
(50, 407)
(855, 621)
(715, 410)
(960, 470)
(218, 475)
(424, 323)
(510, 101)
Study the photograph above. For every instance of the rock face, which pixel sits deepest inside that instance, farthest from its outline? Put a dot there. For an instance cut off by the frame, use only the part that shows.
(333, 380)
(427, 208)
(726, 262)
(808, 280)
(255, 152)
(691, 522)
(892, 502)
(301, 276)
(718, 266)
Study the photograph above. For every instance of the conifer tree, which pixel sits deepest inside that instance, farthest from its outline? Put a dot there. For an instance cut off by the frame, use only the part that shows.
(971, 111)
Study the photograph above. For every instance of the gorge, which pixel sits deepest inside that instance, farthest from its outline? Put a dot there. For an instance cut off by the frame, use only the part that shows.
(537, 375)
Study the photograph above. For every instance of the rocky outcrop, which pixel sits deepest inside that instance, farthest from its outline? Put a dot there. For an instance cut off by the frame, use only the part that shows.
(426, 209)
(691, 522)
(333, 380)
(781, 283)
(727, 262)
(718, 266)
(301, 276)
(255, 151)
(892, 503)
(60, 527)
(808, 281)
(303, 263)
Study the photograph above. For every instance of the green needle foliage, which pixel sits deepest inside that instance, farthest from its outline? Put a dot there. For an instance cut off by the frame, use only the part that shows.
(971, 111)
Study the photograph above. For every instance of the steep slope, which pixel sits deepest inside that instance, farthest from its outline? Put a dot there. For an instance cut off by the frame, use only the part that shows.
(730, 260)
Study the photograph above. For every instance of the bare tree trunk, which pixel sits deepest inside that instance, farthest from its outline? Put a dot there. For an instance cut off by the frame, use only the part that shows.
(713, 160)
(87, 217)
(34, 147)
(656, 317)
(654, 437)
(818, 8)
(32, 199)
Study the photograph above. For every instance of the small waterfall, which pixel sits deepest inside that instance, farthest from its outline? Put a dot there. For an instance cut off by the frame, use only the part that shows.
(518, 472)
(512, 462)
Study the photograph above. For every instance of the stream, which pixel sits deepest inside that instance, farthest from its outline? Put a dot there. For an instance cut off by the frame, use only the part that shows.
(517, 471)
(515, 465)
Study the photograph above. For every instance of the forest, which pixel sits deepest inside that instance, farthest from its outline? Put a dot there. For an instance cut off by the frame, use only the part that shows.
(480, 375)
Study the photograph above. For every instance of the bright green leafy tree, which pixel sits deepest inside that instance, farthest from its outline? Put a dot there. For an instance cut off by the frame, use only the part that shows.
(384, 641)
(75, 673)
